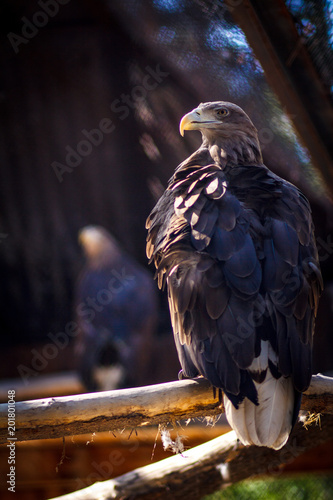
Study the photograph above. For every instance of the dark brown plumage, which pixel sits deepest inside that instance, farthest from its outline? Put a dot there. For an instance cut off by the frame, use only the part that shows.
(234, 244)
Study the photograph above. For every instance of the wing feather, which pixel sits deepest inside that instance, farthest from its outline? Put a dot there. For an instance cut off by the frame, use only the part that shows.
(239, 257)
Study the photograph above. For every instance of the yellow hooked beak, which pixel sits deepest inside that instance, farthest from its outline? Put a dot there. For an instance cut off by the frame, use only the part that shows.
(190, 121)
(198, 119)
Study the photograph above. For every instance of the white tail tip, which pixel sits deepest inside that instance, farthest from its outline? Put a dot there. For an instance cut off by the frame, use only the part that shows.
(268, 424)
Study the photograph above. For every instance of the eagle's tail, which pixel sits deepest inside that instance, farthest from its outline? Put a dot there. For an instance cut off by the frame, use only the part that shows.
(270, 422)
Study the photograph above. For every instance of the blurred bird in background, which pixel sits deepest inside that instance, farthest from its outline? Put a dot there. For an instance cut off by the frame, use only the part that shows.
(116, 309)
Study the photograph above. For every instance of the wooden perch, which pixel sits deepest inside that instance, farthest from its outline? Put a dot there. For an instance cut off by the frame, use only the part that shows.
(205, 468)
(112, 410)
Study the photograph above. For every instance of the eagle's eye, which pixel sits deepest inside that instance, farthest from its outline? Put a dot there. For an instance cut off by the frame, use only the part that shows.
(222, 112)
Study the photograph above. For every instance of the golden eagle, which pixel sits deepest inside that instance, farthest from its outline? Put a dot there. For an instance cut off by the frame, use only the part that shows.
(234, 244)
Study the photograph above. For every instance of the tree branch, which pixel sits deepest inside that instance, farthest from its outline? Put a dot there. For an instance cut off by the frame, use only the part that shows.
(205, 468)
(112, 410)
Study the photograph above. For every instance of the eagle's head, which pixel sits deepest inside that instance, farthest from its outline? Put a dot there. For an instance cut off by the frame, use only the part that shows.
(98, 245)
(227, 128)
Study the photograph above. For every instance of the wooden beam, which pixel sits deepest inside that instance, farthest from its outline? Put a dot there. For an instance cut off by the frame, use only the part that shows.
(110, 410)
(205, 468)
(141, 406)
(271, 32)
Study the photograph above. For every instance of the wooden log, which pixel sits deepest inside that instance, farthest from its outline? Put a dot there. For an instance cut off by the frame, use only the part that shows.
(112, 410)
(205, 468)
(319, 396)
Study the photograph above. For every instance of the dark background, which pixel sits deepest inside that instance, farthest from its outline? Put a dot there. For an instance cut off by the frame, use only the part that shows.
(63, 79)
